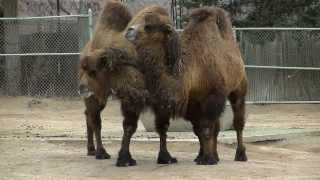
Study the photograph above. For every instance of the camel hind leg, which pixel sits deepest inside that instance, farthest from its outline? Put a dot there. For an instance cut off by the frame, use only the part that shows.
(216, 130)
(193, 115)
(91, 150)
(212, 109)
(237, 100)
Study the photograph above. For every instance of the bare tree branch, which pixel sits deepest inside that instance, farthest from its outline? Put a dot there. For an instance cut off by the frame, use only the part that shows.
(64, 10)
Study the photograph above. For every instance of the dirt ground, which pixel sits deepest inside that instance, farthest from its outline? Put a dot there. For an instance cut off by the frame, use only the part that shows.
(45, 139)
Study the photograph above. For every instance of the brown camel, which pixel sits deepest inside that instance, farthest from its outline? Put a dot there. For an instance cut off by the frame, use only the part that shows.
(207, 70)
(101, 76)
(108, 64)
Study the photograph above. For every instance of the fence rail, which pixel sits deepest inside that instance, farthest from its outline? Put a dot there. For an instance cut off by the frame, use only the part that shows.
(284, 67)
(44, 17)
(282, 64)
(39, 56)
(277, 28)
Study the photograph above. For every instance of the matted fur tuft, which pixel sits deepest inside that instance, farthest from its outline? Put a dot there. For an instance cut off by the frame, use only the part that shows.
(209, 69)
(102, 76)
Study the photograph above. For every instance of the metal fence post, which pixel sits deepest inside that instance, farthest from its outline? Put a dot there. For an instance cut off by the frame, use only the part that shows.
(90, 23)
(234, 31)
(280, 69)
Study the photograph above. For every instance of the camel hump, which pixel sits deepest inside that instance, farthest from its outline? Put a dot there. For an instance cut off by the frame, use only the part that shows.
(114, 15)
(218, 15)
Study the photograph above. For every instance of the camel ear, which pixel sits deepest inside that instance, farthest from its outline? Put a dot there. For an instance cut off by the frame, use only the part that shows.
(173, 49)
(168, 28)
(84, 64)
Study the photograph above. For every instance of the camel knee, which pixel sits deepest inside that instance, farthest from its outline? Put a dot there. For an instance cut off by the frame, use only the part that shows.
(93, 120)
(130, 123)
(205, 130)
(162, 122)
(129, 130)
(206, 133)
(239, 123)
(215, 106)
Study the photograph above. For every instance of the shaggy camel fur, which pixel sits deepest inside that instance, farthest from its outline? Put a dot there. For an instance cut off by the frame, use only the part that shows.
(101, 76)
(209, 70)
(161, 86)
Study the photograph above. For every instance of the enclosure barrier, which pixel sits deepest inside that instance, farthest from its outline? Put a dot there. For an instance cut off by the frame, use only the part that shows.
(283, 64)
(39, 56)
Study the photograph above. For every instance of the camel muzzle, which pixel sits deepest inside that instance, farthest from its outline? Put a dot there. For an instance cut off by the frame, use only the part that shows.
(84, 91)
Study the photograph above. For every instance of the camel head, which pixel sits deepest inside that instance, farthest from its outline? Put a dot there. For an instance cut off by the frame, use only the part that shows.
(152, 24)
(152, 27)
(94, 75)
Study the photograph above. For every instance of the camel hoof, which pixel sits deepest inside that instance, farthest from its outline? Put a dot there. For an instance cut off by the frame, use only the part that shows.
(216, 157)
(206, 161)
(200, 154)
(166, 158)
(91, 151)
(102, 154)
(125, 160)
(197, 159)
(241, 154)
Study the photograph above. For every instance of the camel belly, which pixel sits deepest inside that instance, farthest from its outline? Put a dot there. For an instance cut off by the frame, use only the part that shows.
(225, 81)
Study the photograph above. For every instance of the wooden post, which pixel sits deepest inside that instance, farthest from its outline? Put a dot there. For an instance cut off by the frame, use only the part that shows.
(2, 61)
(13, 64)
(58, 7)
(1, 33)
(83, 24)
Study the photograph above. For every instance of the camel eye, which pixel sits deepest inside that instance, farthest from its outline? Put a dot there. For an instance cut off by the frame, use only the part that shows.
(150, 28)
(92, 73)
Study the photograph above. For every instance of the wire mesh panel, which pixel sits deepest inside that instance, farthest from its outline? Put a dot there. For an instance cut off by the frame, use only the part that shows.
(275, 85)
(286, 63)
(39, 56)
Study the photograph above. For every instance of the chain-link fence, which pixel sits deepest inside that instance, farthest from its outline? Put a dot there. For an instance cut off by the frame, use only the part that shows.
(283, 64)
(39, 56)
